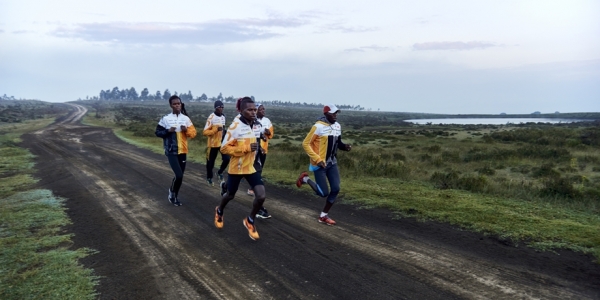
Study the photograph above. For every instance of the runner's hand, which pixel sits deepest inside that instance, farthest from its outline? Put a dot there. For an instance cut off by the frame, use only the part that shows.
(183, 128)
(322, 164)
(253, 146)
(348, 147)
(267, 132)
(219, 128)
(172, 129)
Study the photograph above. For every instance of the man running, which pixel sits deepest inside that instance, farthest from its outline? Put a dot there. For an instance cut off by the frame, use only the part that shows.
(241, 143)
(214, 131)
(321, 145)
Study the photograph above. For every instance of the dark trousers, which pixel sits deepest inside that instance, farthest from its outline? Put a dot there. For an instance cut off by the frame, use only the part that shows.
(322, 176)
(210, 162)
(177, 163)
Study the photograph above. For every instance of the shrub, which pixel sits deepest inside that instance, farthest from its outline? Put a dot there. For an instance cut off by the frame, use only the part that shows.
(559, 186)
(445, 180)
(433, 149)
(451, 156)
(486, 171)
(546, 170)
(473, 183)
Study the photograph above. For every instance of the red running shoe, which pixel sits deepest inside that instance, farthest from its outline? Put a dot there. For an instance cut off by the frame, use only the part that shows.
(327, 220)
(300, 180)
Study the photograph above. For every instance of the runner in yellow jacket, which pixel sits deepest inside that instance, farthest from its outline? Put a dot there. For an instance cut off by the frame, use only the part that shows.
(321, 145)
(214, 130)
(241, 143)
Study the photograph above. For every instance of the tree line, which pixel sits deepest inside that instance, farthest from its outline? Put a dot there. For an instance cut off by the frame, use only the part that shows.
(116, 94)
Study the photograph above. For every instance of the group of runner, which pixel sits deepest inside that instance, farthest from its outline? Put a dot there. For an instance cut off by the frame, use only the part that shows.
(244, 147)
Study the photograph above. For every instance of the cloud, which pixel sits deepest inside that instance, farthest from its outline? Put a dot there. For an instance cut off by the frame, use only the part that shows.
(21, 31)
(369, 48)
(206, 33)
(452, 45)
(339, 27)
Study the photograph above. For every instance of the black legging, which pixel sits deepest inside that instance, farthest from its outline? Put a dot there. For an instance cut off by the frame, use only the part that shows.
(210, 162)
(263, 158)
(177, 163)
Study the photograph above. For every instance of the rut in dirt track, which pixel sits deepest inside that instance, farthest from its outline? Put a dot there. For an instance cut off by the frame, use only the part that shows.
(117, 199)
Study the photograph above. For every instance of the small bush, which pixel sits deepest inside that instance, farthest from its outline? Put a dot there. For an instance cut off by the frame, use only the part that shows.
(433, 149)
(486, 171)
(473, 183)
(559, 186)
(546, 170)
(445, 180)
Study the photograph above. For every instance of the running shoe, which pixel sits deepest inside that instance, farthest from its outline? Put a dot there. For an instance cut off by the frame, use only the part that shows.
(177, 203)
(326, 220)
(220, 176)
(250, 192)
(252, 233)
(223, 185)
(172, 198)
(218, 219)
(209, 181)
(263, 214)
(300, 180)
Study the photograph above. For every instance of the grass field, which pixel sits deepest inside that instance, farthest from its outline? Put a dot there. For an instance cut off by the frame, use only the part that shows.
(536, 184)
(36, 261)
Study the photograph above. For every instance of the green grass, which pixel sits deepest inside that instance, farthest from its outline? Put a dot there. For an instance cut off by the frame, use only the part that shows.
(35, 259)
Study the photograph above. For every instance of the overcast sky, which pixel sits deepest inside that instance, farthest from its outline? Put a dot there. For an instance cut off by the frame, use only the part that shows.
(412, 56)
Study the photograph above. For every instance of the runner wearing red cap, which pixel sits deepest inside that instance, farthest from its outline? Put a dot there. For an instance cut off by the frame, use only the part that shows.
(321, 145)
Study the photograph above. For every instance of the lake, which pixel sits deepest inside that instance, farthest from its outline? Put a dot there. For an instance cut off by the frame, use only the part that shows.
(490, 121)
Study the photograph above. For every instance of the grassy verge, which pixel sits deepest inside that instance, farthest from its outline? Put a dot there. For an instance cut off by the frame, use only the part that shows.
(34, 256)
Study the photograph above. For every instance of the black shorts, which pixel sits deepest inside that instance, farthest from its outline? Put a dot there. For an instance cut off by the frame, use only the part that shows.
(233, 181)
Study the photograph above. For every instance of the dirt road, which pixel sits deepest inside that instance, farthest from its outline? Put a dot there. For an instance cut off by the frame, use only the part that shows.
(149, 249)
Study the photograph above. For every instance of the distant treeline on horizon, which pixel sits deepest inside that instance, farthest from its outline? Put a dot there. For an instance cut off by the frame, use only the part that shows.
(132, 95)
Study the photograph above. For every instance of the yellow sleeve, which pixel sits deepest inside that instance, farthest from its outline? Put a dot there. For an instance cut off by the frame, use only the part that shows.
(306, 144)
(209, 128)
(191, 132)
(234, 148)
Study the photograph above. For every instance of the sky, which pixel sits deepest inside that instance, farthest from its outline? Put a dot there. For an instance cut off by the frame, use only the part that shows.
(451, 57)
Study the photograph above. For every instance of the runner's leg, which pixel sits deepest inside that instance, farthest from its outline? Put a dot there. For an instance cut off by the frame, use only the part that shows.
(210, 161)
(176, 166)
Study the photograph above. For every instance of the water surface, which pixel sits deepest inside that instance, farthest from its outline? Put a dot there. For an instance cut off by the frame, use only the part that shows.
(490, 121)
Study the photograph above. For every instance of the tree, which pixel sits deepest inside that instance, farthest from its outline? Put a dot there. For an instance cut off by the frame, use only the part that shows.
(220, 97)
(166, 94)
(144, 94)
(203, 97)
(114, 94)
(132, 94)
(157, 96)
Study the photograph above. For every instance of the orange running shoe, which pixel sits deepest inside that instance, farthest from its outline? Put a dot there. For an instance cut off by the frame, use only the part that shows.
(252, 233)
(218, 219)
(326, 220)
(300, 180)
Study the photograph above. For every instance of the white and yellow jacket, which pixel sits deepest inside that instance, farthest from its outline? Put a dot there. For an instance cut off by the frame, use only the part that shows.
(211, 130)
(322, 142)
(238, 138)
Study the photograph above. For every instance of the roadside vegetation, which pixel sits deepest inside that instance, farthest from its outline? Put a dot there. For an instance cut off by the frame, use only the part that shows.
(536, 184)
(36, 259)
